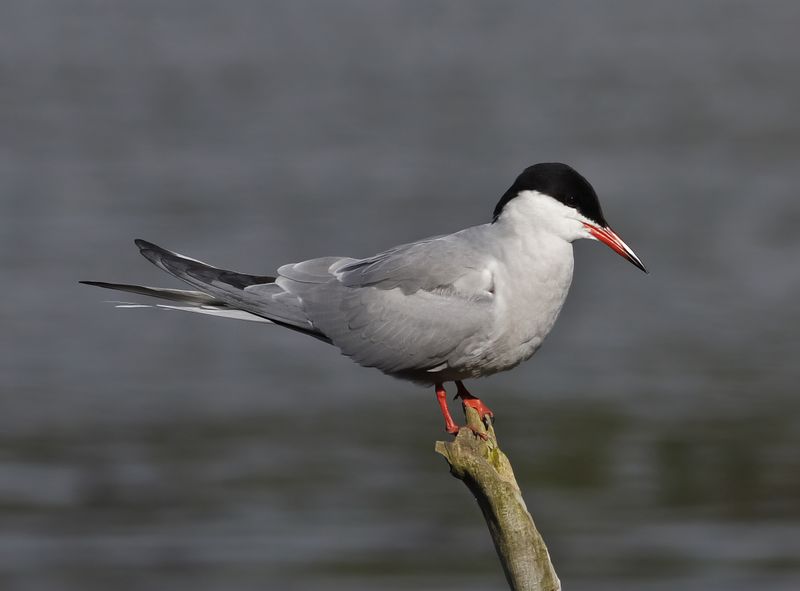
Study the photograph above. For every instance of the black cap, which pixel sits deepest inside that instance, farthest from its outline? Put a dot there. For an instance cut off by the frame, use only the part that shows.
(561, 182)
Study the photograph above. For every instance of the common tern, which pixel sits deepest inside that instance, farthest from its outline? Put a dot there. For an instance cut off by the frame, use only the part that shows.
(442, 309)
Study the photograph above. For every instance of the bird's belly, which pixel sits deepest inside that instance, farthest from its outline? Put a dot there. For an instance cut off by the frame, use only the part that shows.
(522, 321)
(508, 350)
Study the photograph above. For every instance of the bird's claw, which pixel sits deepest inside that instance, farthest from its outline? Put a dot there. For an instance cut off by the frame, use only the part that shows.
(478, 433)
(455, 430)
(468, 400)
(479, 406)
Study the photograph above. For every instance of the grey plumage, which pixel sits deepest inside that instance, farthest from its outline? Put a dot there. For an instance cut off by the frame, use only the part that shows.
(445, 308)
(228, 289)
(399, 311)
(369, 308)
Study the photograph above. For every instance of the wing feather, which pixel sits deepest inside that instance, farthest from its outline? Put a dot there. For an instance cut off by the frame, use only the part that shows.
(450, 263)
(416, 308)
(412, 308)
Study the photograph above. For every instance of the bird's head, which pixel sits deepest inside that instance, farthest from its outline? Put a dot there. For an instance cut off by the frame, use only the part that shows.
(553, 196)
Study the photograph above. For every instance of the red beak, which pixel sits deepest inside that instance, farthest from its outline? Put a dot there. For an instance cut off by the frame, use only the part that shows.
(609, 238)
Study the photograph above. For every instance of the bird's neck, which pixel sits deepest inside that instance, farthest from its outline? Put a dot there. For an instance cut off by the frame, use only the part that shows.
(525, 233)
(536, 214)
(532, 277)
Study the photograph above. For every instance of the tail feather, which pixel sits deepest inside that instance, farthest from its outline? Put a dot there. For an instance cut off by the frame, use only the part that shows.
(221, 292)
(231, 287)
(198, 298)
(222, 311)
(193, 271)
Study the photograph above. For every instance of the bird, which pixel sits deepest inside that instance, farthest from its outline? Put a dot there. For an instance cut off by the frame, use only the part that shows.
(442, 309)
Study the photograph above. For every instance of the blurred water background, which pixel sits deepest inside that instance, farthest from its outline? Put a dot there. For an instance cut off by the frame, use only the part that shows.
(655, 435)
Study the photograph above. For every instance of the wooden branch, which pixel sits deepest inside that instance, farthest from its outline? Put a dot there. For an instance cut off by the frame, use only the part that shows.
(486, 471)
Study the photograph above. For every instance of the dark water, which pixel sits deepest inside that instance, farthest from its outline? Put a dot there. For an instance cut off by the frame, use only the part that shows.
(656, 435)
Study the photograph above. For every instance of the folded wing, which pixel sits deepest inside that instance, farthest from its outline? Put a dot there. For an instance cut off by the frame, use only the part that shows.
(417, 307)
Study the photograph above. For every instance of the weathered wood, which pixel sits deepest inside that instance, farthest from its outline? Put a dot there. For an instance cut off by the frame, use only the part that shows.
(486, 471)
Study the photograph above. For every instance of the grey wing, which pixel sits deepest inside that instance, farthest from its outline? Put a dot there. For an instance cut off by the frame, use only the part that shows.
(449, 262)
(417, 307)
(397, 332)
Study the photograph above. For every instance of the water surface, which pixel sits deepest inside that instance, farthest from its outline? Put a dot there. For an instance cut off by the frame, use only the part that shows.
(656, 433)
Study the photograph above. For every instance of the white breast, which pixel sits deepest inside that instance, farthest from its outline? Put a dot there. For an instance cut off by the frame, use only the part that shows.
(531, 274)
(531, 291)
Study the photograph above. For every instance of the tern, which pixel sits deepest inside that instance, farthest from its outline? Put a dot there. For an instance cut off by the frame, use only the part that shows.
(442, 309)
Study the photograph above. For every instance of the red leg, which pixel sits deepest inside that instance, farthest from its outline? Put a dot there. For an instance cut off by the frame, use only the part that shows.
(468, 399)
(449, 424)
